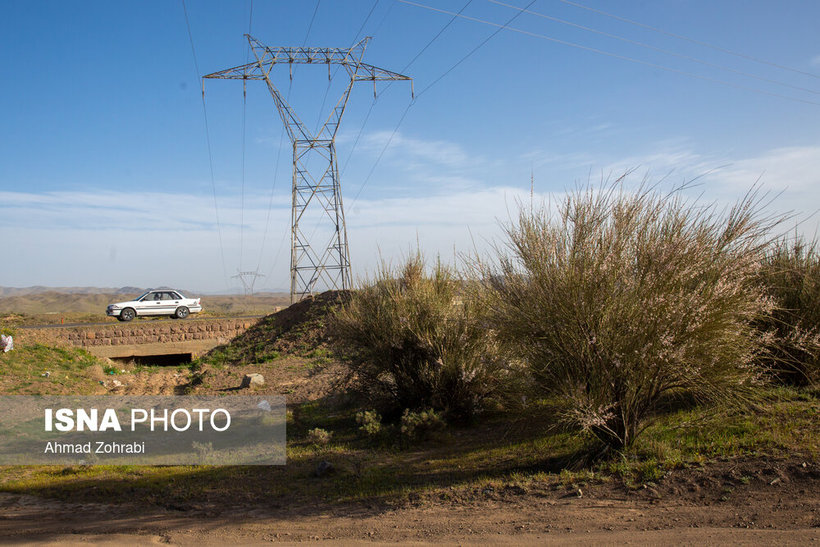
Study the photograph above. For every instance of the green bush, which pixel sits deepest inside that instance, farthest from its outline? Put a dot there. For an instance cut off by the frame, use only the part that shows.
(622, 298)
(791, 275)
(319, 436)
(370, 423)
(414, 340)
(417, 426)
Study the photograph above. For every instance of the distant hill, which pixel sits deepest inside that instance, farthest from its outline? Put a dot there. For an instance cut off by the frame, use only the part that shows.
(93, 301)
(39, 289)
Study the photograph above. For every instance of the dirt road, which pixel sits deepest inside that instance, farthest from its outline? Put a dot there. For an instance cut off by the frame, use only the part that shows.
(686, 508)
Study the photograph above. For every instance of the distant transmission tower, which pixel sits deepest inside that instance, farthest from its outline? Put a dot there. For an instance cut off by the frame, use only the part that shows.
(315, 164)
(248, 280)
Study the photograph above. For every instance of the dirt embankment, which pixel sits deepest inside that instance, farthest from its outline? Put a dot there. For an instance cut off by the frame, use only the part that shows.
(297, 330)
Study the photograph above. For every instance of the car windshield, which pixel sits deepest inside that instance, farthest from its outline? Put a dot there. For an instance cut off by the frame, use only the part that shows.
(140, 297)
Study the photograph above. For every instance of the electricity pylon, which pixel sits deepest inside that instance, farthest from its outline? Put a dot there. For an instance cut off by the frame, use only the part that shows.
(315, 165)
(248, 280)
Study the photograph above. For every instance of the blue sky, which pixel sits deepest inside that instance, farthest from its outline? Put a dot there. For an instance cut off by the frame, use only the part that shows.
(105, 173)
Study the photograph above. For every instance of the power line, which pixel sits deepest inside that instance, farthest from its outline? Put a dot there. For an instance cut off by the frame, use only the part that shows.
(329, 80)
(358, 136)
(310, 26)
(384, 18)
(479, 46)
(317, 194)
(278, 157)
(270, 201)
(244, 150)
(437, 80)
(242, 178)
(413, 60)
(614, 55)
(384, 149)
(440, 32)
(655, 48)
(208, 140)
(361, 27)
(688, 39)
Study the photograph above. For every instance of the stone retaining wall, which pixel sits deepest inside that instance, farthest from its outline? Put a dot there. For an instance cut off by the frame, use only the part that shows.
(172, 332)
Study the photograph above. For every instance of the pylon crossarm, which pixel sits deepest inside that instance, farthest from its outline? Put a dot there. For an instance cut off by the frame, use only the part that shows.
(250, 71)
(255, 71)
(369, 73)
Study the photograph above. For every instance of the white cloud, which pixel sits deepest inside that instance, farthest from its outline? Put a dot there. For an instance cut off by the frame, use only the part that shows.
(116, 239)
(789, 177)
(418, 151)
(794, 168)
(135, 238)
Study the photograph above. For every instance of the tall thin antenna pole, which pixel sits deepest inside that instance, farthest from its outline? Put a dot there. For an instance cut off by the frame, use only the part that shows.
(532, 189)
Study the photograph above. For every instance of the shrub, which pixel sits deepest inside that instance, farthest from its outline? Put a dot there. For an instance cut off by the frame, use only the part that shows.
(791, 275)
(624, 297)
(414, 340)
(319, 436)
(370, 422)
(417, 426)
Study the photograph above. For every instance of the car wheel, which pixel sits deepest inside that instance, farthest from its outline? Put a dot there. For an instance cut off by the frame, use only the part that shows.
(127, 314)
(181, 313)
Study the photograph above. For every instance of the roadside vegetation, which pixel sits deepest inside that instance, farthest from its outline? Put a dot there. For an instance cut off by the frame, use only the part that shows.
(414, 340)
(791, 274)
(621, 299)
(619, 337)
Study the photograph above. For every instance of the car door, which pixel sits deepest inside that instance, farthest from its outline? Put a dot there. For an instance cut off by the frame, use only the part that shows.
(151, 304)
(170, 302)
(176, 301)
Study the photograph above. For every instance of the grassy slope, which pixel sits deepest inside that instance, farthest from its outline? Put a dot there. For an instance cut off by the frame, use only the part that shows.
(22, 371)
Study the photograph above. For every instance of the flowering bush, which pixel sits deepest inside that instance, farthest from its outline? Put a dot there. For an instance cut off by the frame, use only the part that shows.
(622, 298)
(791, 275)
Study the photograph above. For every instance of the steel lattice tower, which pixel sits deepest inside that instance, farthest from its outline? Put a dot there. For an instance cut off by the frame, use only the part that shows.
(315, 165)
(248, 280)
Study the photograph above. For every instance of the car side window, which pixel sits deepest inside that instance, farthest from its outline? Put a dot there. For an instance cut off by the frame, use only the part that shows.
(156, 296)
(175, 296)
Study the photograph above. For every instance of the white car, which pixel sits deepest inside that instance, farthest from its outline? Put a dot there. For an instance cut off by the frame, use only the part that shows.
(155, 302)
